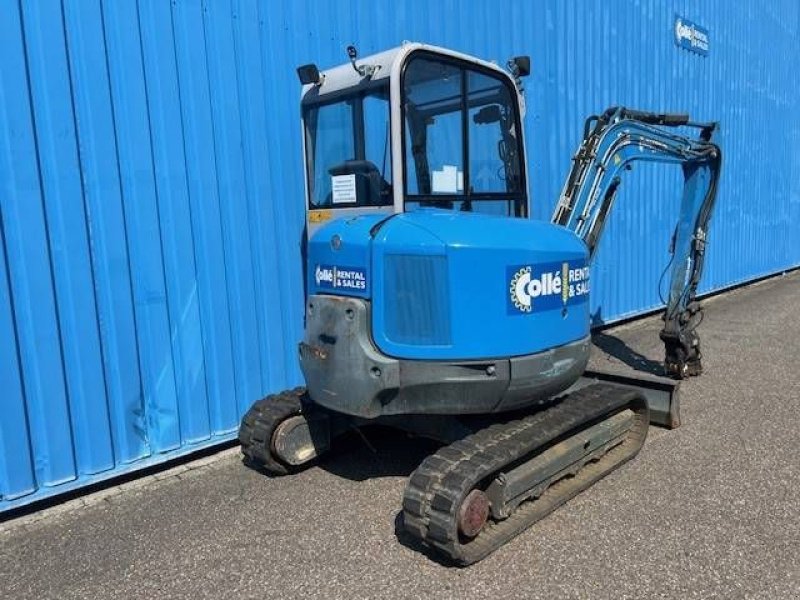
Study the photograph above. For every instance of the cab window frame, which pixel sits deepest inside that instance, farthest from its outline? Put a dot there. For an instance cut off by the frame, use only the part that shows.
(520, 198)
(357, 94)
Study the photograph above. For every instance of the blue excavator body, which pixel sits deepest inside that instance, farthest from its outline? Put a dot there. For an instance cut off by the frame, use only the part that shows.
(437, 312)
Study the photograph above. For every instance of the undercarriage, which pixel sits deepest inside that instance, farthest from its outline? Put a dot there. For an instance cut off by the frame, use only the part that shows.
(495, 475)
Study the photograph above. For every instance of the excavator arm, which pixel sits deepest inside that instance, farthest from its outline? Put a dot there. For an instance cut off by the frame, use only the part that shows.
(614, 140)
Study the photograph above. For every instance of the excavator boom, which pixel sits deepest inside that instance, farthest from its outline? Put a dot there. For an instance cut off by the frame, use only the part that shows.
(611, 142)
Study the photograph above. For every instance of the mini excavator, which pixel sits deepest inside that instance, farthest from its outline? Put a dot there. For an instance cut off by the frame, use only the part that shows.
(436, 306)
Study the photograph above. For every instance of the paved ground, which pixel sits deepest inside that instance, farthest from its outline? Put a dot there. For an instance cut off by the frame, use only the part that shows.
(711, 510)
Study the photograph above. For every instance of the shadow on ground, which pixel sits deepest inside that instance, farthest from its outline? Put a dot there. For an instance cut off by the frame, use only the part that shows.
(617, 348)
(376, 452)
(372, 452)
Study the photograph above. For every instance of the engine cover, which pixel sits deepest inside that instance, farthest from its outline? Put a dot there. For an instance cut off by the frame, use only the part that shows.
(448, 285)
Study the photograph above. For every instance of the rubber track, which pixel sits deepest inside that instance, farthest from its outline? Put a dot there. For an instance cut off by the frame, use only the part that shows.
(436, 489)
(259, 423)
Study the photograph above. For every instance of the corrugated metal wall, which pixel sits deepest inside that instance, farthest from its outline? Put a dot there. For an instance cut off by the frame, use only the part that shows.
(151, 206)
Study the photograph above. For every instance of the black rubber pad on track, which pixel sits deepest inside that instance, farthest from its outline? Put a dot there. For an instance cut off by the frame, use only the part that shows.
(259, 423)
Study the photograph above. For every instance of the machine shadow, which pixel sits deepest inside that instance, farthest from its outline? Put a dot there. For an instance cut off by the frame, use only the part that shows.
(376, 451)
(619, 349)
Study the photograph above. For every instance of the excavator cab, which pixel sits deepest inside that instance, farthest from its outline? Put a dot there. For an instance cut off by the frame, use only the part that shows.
(416, 127)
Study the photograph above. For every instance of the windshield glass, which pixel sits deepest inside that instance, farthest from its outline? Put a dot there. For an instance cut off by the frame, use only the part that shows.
(347, 149)
(462, 148)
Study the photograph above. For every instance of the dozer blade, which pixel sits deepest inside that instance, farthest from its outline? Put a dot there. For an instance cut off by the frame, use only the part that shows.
(476, 494)
(662, 393)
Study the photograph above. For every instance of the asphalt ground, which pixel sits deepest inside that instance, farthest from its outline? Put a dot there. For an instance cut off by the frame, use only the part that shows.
(710, 510)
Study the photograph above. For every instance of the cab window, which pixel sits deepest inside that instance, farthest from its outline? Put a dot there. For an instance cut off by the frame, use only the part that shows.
(461, 142)
(348, 152)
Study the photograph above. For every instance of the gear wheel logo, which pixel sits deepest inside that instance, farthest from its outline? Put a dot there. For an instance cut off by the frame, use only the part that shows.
(518, 290)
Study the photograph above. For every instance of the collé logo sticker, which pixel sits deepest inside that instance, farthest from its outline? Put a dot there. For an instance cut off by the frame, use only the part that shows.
(691, 36)
(546, 286)
(333, 277)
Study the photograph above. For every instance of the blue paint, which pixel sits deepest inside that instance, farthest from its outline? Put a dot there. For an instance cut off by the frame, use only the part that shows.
(342, 267)
(105, 212)
(156, 417)
(206, 208)
(16, 468)
(66, 224)
(236, 244)
(175, 213)
(415, 304)
(151, 212)
(472, 278)
(29, 274)
(690, 36)
(262, 220)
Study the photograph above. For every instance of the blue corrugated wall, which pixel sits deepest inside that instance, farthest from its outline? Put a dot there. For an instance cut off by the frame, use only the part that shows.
(151, 206)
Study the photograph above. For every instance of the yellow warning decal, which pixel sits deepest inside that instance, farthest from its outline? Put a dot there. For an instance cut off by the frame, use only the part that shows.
(319, 216)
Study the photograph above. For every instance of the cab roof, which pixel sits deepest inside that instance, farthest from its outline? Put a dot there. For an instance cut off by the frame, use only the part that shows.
(344, 76)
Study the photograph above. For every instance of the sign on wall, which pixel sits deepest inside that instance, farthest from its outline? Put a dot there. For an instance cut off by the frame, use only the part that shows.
(690, 36)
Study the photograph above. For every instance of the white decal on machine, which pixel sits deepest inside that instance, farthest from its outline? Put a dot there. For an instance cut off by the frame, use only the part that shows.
(351, 278)
(551, 285)
(343, 189)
